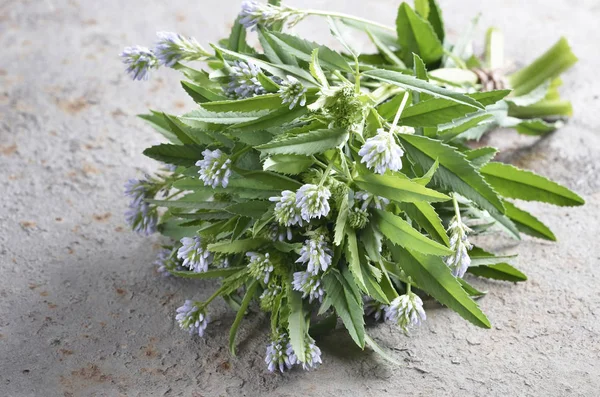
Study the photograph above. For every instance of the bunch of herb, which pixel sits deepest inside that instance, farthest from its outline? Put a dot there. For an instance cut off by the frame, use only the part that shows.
(324, 185)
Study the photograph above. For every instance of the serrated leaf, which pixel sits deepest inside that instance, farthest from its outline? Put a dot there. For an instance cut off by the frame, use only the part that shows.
(469, 289)
(253, 104)
(527, 223)
(204, 118)
(534, 96)
(438, 111)
(399, 232)
(340, 223)
(454, 173)
(291, 164)
(201, 94)
(481, 156)
(537, 127)
(186, 134)
(436, 20)
(211, 273)
(158, 122)
(416, 35)
(448, 132)
(377, 349)
(353, 258)
(189, 204)
(499, 271)
(414, 84)
(185, 155)
(252, 209)
(398, 189)
(297, 328)
(240, 314)
(385, 50)
(480, 257)
(237, 246)
(427, 218)
(432, 275)
(513, 182)
(274, 52)
(308, 143)
(273, 119)
(342, 293)
(316, 70)
(302, 49)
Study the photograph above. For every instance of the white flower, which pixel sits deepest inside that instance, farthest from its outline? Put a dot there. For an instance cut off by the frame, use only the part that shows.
(312, 201)
(406, 310)
(381, 152)
(191, 318)
(260, 266)
(459, 261)
(243, 81)
(316, 254)
(293, 92)
(280, 354)
(277, 232)
(286, 212)
(309, 284)
(312, 355)
(215, 168)
(140, 61)
(194, 256)
(172, 48)
(370, 200)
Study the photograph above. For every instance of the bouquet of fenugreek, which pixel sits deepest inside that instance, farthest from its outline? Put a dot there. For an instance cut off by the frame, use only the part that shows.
(325, 185)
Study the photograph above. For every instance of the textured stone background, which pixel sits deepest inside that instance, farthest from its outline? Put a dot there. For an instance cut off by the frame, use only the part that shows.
(82, 312)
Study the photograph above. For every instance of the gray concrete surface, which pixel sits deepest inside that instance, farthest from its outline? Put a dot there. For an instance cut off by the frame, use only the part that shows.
(82, 312)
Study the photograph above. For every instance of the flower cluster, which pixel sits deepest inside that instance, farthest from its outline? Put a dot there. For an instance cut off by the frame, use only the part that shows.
(243, 81)
(260, 266)
(141, 216)
(381, 152)
(139, 60)
(280, 354)
(173, 47)
(166, 261)
(254, 13)
(459, 261)
(215, 168)
(406, 310)
(292, 92)
(194, 255)
(192, 317)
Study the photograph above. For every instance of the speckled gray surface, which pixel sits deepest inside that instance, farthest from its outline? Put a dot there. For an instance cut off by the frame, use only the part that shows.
(82, 312)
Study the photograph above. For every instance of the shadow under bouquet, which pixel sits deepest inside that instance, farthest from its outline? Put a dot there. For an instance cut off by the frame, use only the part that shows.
(321, 185)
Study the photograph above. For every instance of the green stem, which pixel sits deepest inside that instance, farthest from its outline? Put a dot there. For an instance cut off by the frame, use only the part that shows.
(544, 108)
(456, 209)
(349, 17)
(399, 112)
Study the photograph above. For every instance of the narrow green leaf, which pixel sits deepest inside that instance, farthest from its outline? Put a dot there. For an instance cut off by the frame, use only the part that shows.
(275, 118)
(316, 70)
(353, 258)
(416, 35)
(481, 156)
(291, 164)
(377, 349)
(237, 246)
(436, 20)
(274, 52)
(185, 155)
(211, 273)
(308, 143)
(427, 218)
(499, 271)
(340, 223)
(527, 223)
(240, 315)
(253, 104)
(399, 232)
(432, 275)
(297, 328)
(513, 182)
(253, 209)
(395, 188)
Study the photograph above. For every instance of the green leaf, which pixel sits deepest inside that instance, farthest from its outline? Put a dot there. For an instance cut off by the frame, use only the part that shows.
(414, 84)
(499, 271)
(513, 182)
(353, 258)
(240, 315)
(481, 156)
(252, 209)
(437, 111)
(297, 324)
(480, 257)
(416, 35)
(537, 127)
(201, 94)
(186, 134)
(237, 38)
(211, 273)
(398, 189)
(275, 181)
(373, 345)
(275, 118)
(448, 132)
(432, 275)
(399, 232)
(237, 246)
(302, 49)
(158, 122)
(189, 204)
(436, 20)
(253, 104)
(185, 155)
(427, 218)
(292, 164)
(242, 187)
(274, 52)
(316, 70)
(205, 118)
(308, 143)
(343, 294)
(385, 50)
(454, 173)
(527, 223)
(469, 289)
(340, 223)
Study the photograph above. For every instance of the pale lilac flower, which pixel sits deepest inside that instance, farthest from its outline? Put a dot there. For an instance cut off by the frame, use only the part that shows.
(172, 48)
(371, 201)
(381, 152)
(165, 262)
(192, 318)
(312, 355)
(406, 310)
(140, 61)
(459, 261)
(373, 308)
(280, 354)
(141, 216)
(215, 168)
(309, 284)
(194, 256)
(243, 81)
(293, 92)
(277, 232)
(260, 266)
(312, 201)
(286, 212)
(316, 254)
